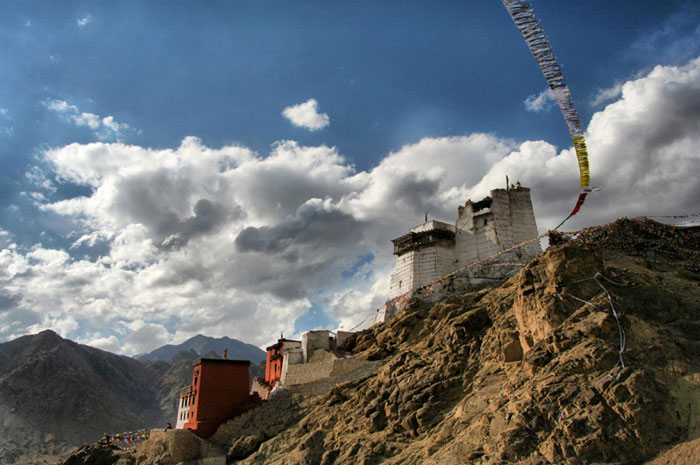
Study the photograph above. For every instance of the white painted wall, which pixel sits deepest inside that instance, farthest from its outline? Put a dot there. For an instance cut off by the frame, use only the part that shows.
(183, 411)
(421, 266)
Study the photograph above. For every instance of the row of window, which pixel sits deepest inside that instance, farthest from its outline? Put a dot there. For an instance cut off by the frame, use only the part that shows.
(187, 401)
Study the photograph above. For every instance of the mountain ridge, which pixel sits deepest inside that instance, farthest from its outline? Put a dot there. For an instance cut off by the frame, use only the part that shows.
(204, 344)
(57, 393)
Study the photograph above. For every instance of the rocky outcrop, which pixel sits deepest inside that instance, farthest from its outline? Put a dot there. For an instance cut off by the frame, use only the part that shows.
(97, 454)
(590, 354)
(530, 372)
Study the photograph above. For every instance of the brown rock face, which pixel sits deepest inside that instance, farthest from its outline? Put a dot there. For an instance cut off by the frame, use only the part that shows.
(530, 372)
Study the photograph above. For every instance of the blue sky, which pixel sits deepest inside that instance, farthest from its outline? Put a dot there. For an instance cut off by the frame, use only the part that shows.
(152, 186)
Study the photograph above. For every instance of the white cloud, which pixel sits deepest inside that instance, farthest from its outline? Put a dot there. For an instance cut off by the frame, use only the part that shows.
(61, 106)
(227, 242)
(104, 128)
(112, 125)
(84, 21)
(90, 120)
(540, 102)
(306, 115)
(110, 343)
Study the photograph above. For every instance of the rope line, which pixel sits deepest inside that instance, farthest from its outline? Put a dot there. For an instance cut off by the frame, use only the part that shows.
(621, 333)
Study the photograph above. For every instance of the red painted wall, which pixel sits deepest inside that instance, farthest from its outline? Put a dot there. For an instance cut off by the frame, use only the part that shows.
(221, 389)
(273, 367)
(273, 362)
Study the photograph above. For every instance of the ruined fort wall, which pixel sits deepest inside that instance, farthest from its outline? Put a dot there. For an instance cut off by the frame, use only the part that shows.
(465, 241)
(508, 221)
(502, 225)
(478, 236)
(523, 222)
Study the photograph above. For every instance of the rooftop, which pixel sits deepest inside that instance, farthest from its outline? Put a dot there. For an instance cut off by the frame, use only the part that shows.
(219, 361)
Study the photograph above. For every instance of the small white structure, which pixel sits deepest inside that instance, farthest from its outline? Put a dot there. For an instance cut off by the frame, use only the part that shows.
(315, 340)
(318, 364)
(434, 249)
(423, 254)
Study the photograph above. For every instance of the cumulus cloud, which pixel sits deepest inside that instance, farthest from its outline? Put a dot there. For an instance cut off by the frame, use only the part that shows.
(540, 102)
(110, 343)
(306, 115)
(104, 128)
(639, 148)
(223, 241)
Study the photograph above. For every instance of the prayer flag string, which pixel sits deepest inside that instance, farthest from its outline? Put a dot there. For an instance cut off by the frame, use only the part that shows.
(524, 18)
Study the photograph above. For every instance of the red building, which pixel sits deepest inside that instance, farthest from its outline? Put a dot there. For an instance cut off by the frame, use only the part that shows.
(219, 392)
(275, 357)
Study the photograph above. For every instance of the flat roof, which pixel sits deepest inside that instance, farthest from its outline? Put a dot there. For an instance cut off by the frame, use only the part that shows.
(224, 361)
(280, 342)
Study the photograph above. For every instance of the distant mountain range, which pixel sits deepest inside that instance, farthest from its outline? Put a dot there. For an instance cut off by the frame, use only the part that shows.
(200, 345)
(56, 394)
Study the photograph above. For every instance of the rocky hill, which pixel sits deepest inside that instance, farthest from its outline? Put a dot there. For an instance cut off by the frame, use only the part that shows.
(590, 354)
(55, 394)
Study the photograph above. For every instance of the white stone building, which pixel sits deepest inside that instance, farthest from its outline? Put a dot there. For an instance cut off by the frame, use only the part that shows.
(434, 249)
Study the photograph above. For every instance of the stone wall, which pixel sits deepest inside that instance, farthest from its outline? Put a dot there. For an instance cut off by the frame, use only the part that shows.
(260, 388)
(341, 337)
(323, 376)
(307, 373)
(292, 356)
